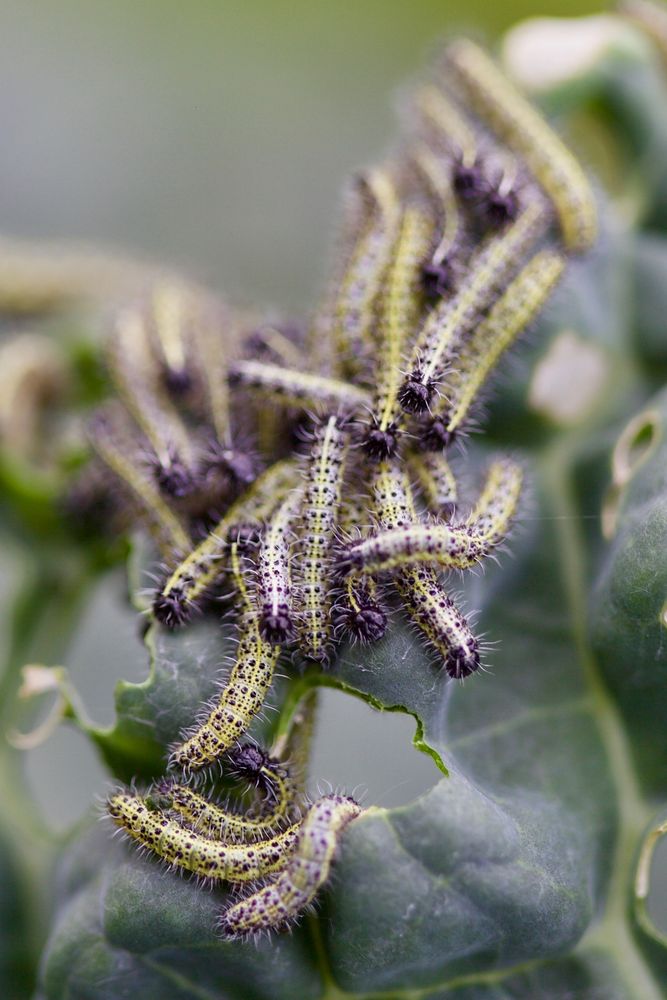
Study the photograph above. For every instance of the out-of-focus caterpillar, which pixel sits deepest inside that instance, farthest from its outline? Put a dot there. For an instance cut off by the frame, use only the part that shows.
(519, 124)
(298, 389)
(192, 578)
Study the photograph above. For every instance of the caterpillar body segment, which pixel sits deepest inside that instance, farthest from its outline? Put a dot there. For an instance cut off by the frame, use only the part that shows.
(451, 546)
(516, 122)
(118, 454)
(137, 380)
(509, 316)
(285, 898)
(319, 508)
(438, 273)
(361, 282)
(274, 584)
(497, 504)
(445, 326)
(400, 305)
(183, 848)
(169, 327)
(244, 693)
(219, 823)
(299, 389)
(446, 126)
(433, 612)
(436, 481)
(193, 577)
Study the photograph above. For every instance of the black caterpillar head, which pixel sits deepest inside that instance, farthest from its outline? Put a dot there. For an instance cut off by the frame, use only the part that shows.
(416, 392)
(366, 623)
(276, 626)
(438, 279)
(170, 609)
(379, 444)
(435, 436)
(462, 661)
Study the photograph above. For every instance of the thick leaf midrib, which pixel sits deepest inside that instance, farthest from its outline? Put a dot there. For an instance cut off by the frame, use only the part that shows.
(612, 932)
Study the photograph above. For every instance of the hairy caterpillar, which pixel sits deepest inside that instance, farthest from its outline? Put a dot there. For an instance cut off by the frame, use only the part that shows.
(398, 312)
(524, 130)
(512, 312)
(285, 898)
(438, 272)
(448, 127)
(436, 481)
(441, 334)
(117, 451)
(137, 380)
(451, 546)
(429, 607)
(242, 696)
(317, 518)
(354, 308)
(273, 573)
(183, 848)
(169, 327)
(498, 501)
(219, 823)
(191, 579)
(297, 388)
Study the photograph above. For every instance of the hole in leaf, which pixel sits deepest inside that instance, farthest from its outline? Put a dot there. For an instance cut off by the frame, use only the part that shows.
(356, 746)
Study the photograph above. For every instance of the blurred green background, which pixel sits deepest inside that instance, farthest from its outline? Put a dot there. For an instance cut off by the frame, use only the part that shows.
(214, 135)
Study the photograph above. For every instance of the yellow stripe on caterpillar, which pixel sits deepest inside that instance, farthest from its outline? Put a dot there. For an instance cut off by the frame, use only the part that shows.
(182, 848)
(284, 899)
(519, 124)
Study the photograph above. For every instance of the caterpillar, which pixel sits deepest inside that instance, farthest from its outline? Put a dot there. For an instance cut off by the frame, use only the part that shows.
(444, 328)
(451, 546)
(317, 518)
(353, 311)
(508, 317)
(498, 501)
(169, 327)
(524, 130)
(358, 613)
(443, 122)
(438, 274)
(296, 388)
(273, 573)
(433, 612)
(400, 304)
(219, 823)
(117, 451)
(242, 696)
(286, 897)
(136, 377)
(189, 851)
(193, 577)
(436, 481)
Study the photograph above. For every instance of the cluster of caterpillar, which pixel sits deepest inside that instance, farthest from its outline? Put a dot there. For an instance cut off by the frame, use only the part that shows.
(282, 860)
(301, 473)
